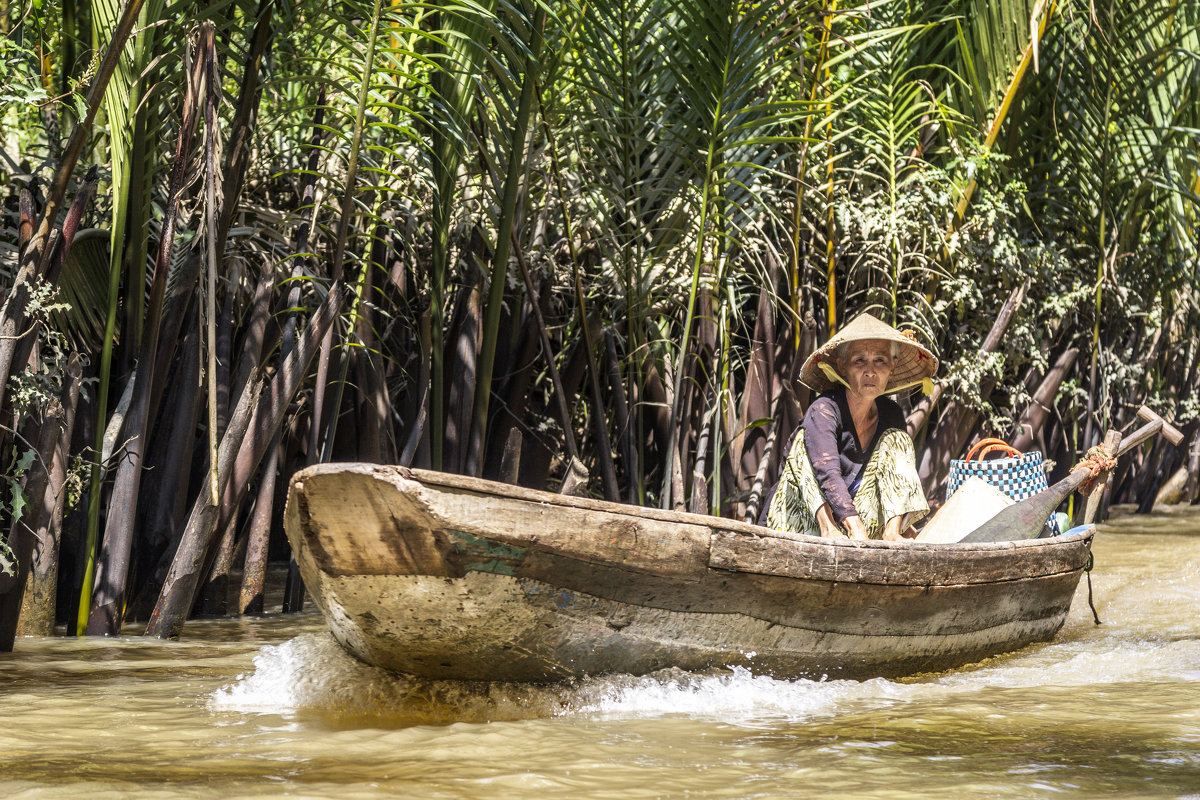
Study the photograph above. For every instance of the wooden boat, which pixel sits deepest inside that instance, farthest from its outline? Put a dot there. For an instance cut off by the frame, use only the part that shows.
(452, 577)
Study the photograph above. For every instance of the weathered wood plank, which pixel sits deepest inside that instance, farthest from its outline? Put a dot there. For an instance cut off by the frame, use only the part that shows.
(362, 507)
(507, 628)
(354, 527)
(945, 565)
(821, 606)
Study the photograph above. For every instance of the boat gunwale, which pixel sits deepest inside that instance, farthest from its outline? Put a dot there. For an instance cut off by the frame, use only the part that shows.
(491, 488)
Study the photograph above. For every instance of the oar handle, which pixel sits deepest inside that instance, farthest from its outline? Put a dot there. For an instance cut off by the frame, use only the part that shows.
(1154, 424)
(1140, 435)
(1173, 434)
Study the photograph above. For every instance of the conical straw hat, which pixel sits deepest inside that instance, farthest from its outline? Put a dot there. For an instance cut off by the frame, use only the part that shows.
(914, 365)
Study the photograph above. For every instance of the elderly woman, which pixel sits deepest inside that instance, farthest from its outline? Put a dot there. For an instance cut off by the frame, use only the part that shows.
(850, 467)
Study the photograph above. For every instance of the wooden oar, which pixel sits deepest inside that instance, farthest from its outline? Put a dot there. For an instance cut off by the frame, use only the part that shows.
(1025, 520)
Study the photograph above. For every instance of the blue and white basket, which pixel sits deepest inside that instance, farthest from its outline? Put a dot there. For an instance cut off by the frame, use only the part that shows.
(1019, 476)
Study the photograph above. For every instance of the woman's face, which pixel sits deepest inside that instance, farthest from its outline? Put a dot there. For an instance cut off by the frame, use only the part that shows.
(867, 367)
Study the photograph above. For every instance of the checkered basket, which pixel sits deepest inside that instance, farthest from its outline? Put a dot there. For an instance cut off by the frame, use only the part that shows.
(1019, 475)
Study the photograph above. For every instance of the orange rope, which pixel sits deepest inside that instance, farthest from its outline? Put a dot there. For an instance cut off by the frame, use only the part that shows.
(1097, 462)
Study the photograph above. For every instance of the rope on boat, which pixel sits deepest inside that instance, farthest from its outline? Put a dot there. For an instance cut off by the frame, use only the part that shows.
(1088, 569)
(1097, 462)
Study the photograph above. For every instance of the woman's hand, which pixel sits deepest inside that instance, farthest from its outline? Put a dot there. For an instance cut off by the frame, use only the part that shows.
(829, 527)
(855, 527)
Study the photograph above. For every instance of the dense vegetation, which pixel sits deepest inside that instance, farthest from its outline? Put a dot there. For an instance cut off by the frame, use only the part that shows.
(546, 241)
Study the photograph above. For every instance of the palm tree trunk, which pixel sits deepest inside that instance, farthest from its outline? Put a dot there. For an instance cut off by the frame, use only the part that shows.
(250, 598)
(464, 335)
(171, 477)
(747, 443)
(262, 418)
(24, 527)
(920, 415)
(1034, 417)
(505, 232)
(342, 236)
(214, 599)
(38, 609)
(374, 406)
(417, 446)
(107, 603)
(624, 426)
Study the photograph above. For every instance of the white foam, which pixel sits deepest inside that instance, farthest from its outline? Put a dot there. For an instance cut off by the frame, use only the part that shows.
(311, 673)
(738, 695)
(283, 675)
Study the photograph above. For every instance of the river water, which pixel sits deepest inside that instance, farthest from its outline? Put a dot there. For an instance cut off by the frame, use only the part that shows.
(271, 707)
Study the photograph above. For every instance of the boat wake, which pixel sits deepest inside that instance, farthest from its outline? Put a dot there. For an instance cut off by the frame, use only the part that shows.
(311, 675)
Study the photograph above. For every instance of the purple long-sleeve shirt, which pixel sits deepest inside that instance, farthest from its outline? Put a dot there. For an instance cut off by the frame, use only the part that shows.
(838, 458)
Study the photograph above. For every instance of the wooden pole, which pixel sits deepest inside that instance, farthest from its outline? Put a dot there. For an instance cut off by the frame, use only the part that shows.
(1111, 446)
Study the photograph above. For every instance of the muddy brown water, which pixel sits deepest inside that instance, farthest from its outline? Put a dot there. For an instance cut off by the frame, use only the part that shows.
(271, 707)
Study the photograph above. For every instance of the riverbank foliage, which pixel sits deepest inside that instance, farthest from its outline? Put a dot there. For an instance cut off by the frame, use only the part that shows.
(500, 237)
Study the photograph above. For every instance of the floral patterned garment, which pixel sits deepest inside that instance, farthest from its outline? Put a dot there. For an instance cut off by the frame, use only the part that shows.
(889, 486)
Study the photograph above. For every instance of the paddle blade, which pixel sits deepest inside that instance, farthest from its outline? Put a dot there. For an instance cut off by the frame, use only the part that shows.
(1025, 520)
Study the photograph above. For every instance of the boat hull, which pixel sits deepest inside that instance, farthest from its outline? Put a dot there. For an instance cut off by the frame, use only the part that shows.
(451, 577)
